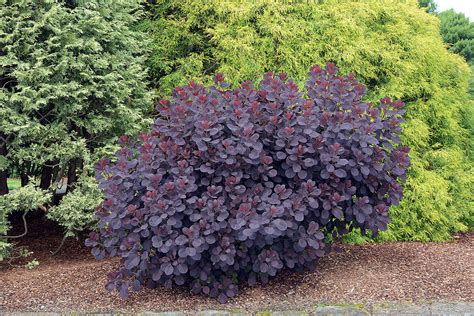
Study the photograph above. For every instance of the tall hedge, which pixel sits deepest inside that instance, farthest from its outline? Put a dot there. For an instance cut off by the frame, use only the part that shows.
(72, 79)
(393, 47)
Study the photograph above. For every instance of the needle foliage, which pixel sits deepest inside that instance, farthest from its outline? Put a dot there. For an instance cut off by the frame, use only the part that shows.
(72, 80)
(393, 47)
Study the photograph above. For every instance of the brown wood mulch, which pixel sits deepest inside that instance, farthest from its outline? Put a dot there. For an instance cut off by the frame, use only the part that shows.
(363, 274)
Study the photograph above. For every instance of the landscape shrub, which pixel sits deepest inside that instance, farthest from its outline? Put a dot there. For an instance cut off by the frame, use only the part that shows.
(235, 185)
(72, 80)
(76, 210)
(24, 199)
(393, 47)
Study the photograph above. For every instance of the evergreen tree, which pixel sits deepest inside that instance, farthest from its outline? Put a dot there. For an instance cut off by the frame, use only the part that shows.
(458, 32)
(429, 5)
(72, 80)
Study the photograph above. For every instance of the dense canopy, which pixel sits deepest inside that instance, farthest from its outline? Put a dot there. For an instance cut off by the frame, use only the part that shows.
(72, 81)
(458, 32)
(394, 48)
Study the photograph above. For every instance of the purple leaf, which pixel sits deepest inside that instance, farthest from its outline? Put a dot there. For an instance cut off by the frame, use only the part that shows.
(231, 185)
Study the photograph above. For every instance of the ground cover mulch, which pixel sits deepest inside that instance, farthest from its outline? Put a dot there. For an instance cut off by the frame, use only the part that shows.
(363, 274)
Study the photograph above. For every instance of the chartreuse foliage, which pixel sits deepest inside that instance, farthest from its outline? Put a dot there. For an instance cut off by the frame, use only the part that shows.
(233, 186)
(393, 47)
(72, 81)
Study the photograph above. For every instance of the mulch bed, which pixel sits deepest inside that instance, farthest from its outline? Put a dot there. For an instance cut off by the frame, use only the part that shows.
(365, 274)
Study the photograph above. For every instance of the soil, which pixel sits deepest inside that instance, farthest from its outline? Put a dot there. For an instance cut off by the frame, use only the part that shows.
(364, 274)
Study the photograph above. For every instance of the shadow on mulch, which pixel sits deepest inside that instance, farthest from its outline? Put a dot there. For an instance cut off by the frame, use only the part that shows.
(43, 238)
(363, 274)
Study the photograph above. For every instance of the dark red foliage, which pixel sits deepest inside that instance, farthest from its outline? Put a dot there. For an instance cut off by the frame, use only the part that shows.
(233, 186)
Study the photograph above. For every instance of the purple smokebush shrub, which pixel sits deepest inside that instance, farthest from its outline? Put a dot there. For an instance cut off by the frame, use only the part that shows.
(233, 186)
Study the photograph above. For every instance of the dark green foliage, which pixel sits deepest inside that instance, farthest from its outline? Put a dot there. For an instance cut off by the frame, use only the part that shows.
(458, 32)
(429, 5)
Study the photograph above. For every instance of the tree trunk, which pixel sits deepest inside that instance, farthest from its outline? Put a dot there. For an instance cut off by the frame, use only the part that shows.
(24, 171)
(46, 175)
(58, 172)
(71, 174)
(23, 178)
(75, 167)
(55, 173)
(3, 173)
